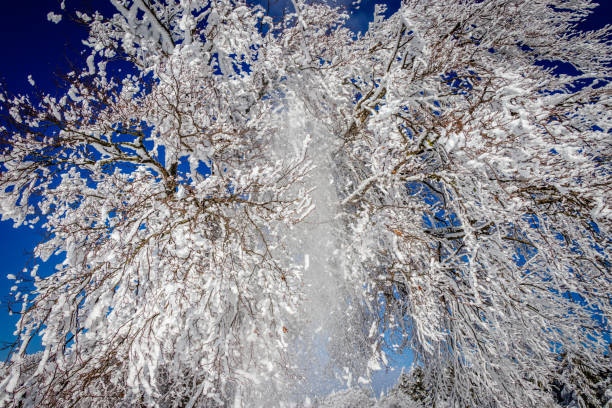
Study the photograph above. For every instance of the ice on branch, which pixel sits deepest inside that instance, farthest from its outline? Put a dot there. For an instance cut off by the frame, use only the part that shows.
(54, 18)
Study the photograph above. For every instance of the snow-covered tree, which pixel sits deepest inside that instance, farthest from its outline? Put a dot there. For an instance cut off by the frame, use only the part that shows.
(478, 183)
(468, 219)
(162, 192)
(595, 383)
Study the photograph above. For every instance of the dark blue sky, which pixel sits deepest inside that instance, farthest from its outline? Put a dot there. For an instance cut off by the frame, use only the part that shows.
(31, 45)
(34, 46)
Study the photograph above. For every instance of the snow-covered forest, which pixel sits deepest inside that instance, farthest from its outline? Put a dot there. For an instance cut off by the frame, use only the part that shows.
(257, 206)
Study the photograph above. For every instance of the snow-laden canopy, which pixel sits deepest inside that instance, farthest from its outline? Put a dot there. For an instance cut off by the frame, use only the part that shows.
(257, 205)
